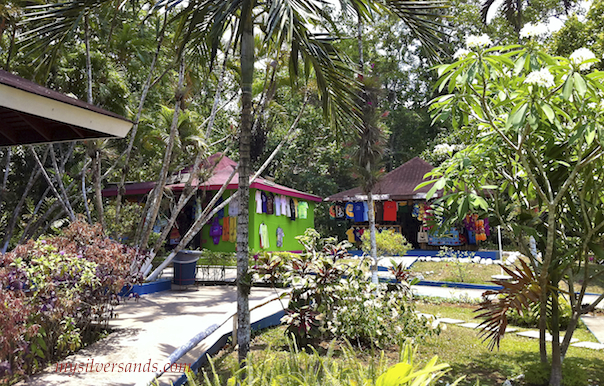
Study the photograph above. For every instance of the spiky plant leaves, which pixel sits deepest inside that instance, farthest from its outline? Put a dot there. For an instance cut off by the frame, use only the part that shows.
(517, 293)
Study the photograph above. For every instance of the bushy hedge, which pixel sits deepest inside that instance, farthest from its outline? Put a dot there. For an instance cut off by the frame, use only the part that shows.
(57, 294)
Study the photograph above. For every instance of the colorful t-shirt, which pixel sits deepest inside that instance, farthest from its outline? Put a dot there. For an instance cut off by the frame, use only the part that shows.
(285, 210)
(280, 235)
(350, 234)
(358, 210)
(303, 209)
(390, 208)
(349, 210)
(295, 207)
(340, 212)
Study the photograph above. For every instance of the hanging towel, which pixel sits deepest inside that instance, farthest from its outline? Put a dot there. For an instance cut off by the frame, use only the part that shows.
(233, 229)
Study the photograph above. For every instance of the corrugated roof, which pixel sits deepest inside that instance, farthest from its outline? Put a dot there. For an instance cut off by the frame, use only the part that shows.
(399, 184)
(30, 113)
(222, 171)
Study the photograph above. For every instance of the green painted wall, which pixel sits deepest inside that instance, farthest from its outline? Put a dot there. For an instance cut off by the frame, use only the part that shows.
(290, 228)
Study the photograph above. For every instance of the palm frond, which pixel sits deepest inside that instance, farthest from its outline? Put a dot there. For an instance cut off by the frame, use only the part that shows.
(422, 19)
(517, 293)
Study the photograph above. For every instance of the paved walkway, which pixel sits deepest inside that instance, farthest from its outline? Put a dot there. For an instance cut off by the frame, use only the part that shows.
(148, 331)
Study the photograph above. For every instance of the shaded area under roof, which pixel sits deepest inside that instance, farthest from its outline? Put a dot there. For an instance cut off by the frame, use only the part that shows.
(399, 184)
(31, 114)
(223, 167)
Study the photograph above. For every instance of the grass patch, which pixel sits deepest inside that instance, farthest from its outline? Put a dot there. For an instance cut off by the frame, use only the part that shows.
(456, 272)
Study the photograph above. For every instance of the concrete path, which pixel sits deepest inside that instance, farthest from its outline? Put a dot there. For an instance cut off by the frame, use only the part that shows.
(147, 332)
(595, 324)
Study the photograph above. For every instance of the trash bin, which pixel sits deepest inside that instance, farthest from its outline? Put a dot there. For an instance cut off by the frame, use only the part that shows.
(185, 267)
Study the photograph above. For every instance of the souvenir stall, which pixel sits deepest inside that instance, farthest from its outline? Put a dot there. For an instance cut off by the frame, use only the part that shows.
(400, 207)
(277, 214)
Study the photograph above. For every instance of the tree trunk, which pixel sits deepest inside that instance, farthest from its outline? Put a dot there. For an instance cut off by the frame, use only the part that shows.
(17, 210)
(556, 374)
(371, 218)
(5, 178)
(59, 180)
(243, 279)
(154, 201)
(126, 168)
(96, 180)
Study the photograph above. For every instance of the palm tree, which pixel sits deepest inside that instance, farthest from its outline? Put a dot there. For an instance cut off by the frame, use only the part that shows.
(284, 25)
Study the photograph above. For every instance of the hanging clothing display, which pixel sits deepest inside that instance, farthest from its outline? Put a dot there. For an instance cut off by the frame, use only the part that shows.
(303, 209)
(278, 205)
(358, 210)
(264, 202)
(280, 235)
(390, 208)
(350, 234)
(365, 211)
(263, 232)
(234, 207)
(258, 197)
(233, 229)
(332, 212)
(220, 213)
(215, 231)
(225, 229)
(340, 213)
(292, 210)
(295, 206)
(270, 203)
(285, 209)
(349, 209)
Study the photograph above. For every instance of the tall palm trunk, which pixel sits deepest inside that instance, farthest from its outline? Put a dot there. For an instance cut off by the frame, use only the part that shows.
(243, 279)
(370, 203)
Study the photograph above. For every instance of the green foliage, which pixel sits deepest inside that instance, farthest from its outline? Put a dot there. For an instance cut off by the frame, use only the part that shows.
(311, 369)
(125, 229)
(537, 374)
(331, 299)
(389, 243)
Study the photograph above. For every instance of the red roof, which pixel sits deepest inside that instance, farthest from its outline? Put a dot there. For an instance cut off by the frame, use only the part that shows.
(399, 184)
(222, 171)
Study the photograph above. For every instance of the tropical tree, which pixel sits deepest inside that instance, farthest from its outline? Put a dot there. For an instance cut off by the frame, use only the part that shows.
(534, 161)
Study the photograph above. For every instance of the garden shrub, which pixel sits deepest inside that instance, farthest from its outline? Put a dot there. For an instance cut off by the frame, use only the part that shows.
(331, 299)
(388, 242)
(57, 294)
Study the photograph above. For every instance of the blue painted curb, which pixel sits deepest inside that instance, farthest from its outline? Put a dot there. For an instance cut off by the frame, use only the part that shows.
(269, 321)
(147, 288)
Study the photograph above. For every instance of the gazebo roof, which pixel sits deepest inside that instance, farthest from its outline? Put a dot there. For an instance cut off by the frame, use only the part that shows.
(30, 114)
(399, 184)
(223, 167)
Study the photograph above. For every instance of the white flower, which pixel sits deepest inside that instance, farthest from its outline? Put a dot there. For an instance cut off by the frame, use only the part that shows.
(461, 53)
(581, 55)
(541, 78)
(533, 30)
(443, 149)
(478, 41)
